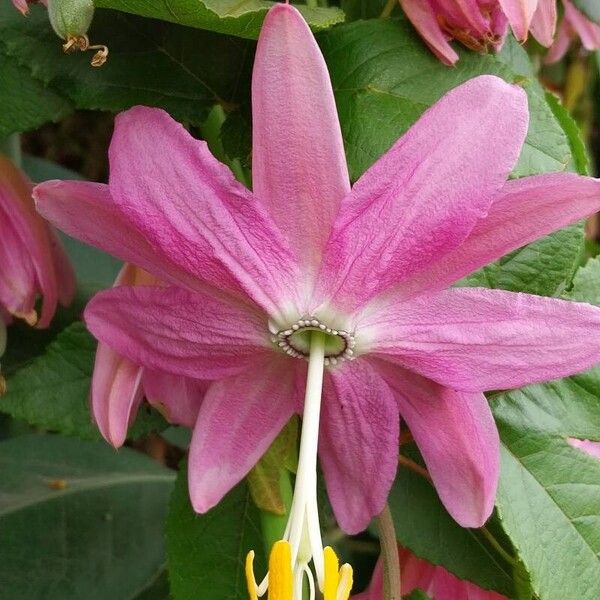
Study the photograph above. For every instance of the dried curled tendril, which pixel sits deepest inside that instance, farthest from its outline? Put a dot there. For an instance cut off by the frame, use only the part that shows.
(81, 43)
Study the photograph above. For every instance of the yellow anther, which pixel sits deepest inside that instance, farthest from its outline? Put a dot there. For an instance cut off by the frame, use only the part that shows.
(250, 579)
(337, 582)
(280, 572)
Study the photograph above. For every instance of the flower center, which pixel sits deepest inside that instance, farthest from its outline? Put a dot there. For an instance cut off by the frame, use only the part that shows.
(295, 340)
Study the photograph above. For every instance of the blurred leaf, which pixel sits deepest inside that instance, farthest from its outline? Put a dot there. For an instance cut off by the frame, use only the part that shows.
(79, 520)
(549, 493)
(26, 101)
(428, 531)
(157, 589)
(52, 392)
(183, 70)
(206, 553)
(362, 9)
(590, 8)
(241, 18)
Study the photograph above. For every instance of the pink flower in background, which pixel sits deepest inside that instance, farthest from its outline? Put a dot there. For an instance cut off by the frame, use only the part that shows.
(587, 446)
(119, 386)
(574, 25)
(33, 261)
(251, 276)
(482, 25)
(418, 574)
(23, 5)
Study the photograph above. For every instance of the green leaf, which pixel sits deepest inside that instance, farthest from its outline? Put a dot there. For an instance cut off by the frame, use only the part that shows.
(241, 18)
(206, 553)
(79, 520)
(590, 8)
(26, 101)
(183, 70)
(52, 392)
(428, 531)
(549, 493)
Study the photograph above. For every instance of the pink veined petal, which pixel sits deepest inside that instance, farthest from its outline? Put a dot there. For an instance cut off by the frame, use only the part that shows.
(65, 276)
(587, 446)
(298, 163)
(421, 15)
(239, 418)
(588, 31)
(415, 573)
(171, 329)
(457, 436)
(424, 196)
(21, 5)
(561, 43)
(177, 398)
(358, 442)
(116, 394)
(519, 13)
(190, 208)
(87, 212)
(523, 211)
(475, 339)
(543, 23)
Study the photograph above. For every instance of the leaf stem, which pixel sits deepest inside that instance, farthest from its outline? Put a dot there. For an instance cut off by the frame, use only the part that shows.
(388, 8)
(392, 579)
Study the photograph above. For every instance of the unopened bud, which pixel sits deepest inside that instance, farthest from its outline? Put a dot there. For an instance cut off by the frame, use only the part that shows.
(71, 20)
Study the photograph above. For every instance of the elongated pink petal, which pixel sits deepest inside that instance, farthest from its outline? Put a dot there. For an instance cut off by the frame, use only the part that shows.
(588, 31)
(87, 212)
(298, 163)
(177, 398)
(519, 13)
(116, 394)
(171, 329)
(457, 436)
(422, 16)
(190, 208)
(21, 5)
(561, 44)
(65, 275)
(424, 196)
(238, 420)
(587, 446)
(475, 339)
(543, 23)
(524, 210)
(358, 443)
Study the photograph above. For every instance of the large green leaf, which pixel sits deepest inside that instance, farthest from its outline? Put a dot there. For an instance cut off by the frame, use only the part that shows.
(26, 101)
(423, 525)
(79, 520)
(590, 8)
(183, 70)
(549, 493)
(206, 553)
(242, 18)
(52, 392)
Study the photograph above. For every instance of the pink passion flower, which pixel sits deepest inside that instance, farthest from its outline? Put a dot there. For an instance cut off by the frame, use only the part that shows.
(119, 386)
(436, 582)
(356, 280)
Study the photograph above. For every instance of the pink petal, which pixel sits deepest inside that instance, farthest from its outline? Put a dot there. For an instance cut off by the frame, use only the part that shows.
(86, 211)
(476, 339)
(561, 44)
(190, 208)
(424, 196)
(588, 31)
(543, 23)
(587, 446)
(422, 16)
(519, 13)
(177, 398)
(457, 436)
(237, 422)
(358, 444)
(298, 164)
(116, 394)
(65, 276)
(525, 210)
(170, 329)
(21, 5)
